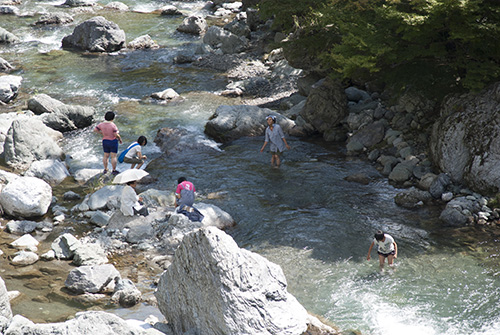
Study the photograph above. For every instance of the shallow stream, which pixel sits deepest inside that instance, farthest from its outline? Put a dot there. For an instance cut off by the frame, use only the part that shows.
(304, 216)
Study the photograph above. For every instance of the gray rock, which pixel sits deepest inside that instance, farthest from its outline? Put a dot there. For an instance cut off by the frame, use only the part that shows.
(413, 198)
(126, 294)
(84, 323)
(7, 37)
(5, 66)
(232, 122)
(29, 140)
(99, 218)
(64, 246)
(9, 10)
(5, 310)
(96, 34)
(91, 279)
(26, 197)
(116, 5)
(24, 258)
(143, 42)
(89, 254)
(21, 227)
(79, 3)
(52, 171)
(70, 195)
(226, 290)
(9, 87)
(193, 24)
(370, 135)
(54, 18)
(168, 94)
(59, 116)
(100, 198)
(326, 105)
(356, 95)
(170, 10)
(440, 185)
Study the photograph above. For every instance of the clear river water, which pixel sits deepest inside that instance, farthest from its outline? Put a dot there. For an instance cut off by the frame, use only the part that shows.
(305, 216)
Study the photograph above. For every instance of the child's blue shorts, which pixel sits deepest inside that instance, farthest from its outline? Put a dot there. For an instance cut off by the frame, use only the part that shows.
(110, 145)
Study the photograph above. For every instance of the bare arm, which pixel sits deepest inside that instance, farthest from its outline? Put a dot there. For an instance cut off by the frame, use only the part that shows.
(263, 146)
(395, 250)
(370, 251)
(287, 146)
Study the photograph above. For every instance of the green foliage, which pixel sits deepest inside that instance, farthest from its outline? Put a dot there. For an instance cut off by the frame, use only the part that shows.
(438, 46)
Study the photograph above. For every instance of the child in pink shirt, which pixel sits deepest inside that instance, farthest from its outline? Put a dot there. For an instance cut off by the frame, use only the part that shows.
(110, 139)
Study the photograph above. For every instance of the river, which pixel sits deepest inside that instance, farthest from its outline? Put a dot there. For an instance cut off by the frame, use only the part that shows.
(305, 216)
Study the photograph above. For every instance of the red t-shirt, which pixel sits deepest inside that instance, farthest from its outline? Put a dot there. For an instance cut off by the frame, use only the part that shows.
(108, 130)
(185, 185)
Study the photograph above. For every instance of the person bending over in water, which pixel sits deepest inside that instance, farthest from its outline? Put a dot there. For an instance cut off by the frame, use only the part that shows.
(387, 248)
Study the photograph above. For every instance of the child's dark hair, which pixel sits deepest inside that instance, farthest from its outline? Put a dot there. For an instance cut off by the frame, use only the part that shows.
(181, 179)
(142, 140)
(379, 235)
(131, 182)
(109, 116)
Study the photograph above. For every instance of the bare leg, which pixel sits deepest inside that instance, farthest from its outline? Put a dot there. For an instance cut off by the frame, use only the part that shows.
(381, 260)
(132, 166)
(105, 160)
(390, 260)
(272, 160)
(278, 161)
(114, 161)
(139, 165)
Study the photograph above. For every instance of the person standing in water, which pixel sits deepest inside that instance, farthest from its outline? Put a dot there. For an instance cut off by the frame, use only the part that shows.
(110, 139)
(387, 248)
(276, 138)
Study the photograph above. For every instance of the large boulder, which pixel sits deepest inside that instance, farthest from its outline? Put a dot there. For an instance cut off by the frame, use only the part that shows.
(106, 195)
(465, 140)
(9, 87)
(326, 106)
(26, 197)
(228, 42)
(229, 123)
(29, 140)
(226, 290)
(59, 116)
(96, 34)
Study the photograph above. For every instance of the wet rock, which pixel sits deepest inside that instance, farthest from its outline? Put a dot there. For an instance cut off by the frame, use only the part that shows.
(54, 18)
(143, 42)
(103, 196)
(5, 66)
(360, 178)
(79, 3)
(168, 94)
(96, 34)
(232, 122)
(227, 290)
(126, 294)
(440, 185)
(9, 87)
(412, 198)
(116, 5)
(8, 10)
(193, 24)
(70, 196)
(59, 116)
(170, 10)
(7, 37)
(228, 42)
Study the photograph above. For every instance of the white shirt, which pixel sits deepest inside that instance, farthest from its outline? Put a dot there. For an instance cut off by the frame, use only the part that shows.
(387, 246)
(129, 200)
(132, 153)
